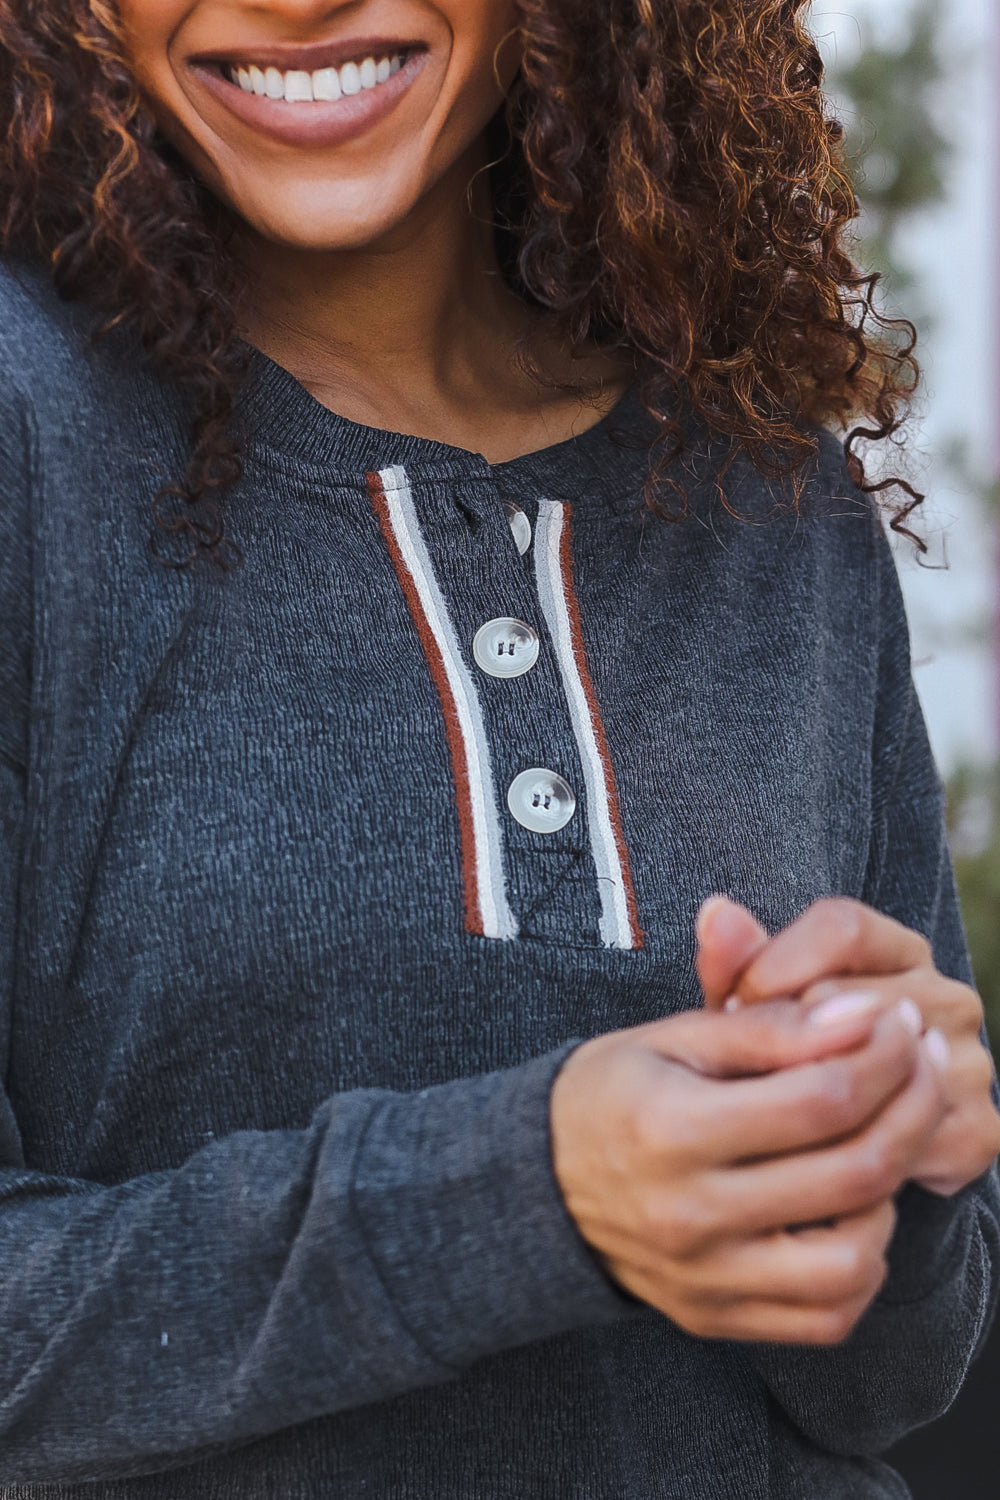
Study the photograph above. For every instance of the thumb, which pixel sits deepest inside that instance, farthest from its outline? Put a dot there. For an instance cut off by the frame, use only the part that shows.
(756, 1039)
(729, 938)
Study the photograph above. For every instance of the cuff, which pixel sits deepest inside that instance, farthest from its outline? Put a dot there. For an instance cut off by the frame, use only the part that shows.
(931, 1233)
(464, 1221)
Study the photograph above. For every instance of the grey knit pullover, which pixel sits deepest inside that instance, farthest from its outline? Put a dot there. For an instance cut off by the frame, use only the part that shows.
(285, 979)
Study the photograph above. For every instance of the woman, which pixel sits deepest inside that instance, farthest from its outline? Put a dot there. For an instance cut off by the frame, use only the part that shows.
(376, 1123)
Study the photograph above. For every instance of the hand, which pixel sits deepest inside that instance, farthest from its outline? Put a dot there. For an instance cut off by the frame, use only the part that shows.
(843, 951)
(684, 1150)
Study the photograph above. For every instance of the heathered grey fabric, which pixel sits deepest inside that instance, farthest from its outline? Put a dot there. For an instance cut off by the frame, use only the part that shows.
(277, 1212)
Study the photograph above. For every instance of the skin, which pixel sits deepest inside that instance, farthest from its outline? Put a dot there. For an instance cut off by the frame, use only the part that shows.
(735, 1167)
(370, 264)
(737, 1172)
(842, 948)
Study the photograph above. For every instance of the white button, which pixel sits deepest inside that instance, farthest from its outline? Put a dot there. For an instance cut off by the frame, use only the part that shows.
(541, 800)
(505, 648)
(520, 526)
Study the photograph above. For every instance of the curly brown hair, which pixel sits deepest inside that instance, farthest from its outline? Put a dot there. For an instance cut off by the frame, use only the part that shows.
(671, 182)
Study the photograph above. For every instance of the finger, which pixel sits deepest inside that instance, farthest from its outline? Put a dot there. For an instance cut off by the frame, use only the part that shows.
(776, 1323)
(813, 1267)
(880, 991)
(845, 1177)
(952, 1007)
(961, 1155)
(761, 1039)
(800, 1108)
(728, 940)
(968, 1138)
(764, 1322)
(837, 936)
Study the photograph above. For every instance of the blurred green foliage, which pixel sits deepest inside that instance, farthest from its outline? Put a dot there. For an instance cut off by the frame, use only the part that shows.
(974, 826)
(896, 148)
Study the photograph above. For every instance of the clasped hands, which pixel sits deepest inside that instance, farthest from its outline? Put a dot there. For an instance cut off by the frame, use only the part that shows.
(737, 1167)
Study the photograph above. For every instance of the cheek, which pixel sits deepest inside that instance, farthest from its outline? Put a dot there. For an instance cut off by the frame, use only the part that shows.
(150, 29)
(148, 25)
(147, 29)
(486, 55)
(496, 38)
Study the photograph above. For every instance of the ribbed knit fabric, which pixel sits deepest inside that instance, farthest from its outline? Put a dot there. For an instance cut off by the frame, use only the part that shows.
(278, 1219)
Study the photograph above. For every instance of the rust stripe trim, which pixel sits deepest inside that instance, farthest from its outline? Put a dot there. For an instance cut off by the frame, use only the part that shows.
(620, 926)
(487, 912)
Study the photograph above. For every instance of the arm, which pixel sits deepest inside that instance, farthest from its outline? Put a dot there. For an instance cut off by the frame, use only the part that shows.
(275, 1276)
(904, 1363)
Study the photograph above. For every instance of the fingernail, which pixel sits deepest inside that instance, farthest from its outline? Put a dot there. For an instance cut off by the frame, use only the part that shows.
(705, 912)
(842, 1008)
(733, 1003)
(910, 1014)
(938, 1049)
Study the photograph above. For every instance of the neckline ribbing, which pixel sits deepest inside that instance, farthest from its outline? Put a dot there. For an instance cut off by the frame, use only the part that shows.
(278, 414)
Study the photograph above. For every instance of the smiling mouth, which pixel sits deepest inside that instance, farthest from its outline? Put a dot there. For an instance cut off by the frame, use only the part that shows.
(322, 86)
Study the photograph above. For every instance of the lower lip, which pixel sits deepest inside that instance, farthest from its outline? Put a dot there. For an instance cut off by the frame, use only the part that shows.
(315, 124)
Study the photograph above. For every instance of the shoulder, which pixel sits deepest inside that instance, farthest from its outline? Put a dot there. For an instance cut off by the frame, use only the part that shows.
(827, 492)
(33, 360)
(71, 395)
(81, 390)
(716, 476)
(89, 430)
(830, 490)
(50, 389)
(27, 373)
(822, 556)
(40, 334)
(89, 434)
(817, 517)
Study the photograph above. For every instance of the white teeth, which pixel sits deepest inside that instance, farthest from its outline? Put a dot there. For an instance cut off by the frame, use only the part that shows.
(350, 78)
(298, 87)
(326, 85)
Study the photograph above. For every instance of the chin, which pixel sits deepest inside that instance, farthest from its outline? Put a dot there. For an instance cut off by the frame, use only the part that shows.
(321, 218)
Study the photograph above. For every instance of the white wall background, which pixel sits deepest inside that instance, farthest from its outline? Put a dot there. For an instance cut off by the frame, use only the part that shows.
(954, 249)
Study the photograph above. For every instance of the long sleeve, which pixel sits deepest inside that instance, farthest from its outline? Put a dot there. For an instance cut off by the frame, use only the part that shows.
(905, 1362)
(280, 1276)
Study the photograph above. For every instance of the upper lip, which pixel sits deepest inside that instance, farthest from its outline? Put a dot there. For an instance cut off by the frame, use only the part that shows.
(287, 57)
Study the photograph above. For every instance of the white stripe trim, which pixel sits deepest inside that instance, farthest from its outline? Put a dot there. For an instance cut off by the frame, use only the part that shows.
(616, 925)
(498, 919)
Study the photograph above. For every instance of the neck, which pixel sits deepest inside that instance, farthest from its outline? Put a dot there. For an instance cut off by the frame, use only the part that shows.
(420, 333)
(415, 309)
